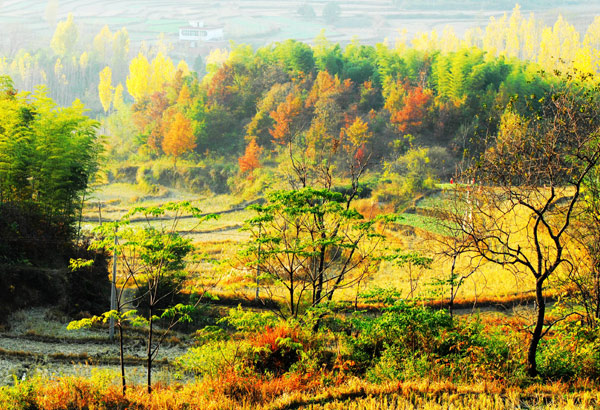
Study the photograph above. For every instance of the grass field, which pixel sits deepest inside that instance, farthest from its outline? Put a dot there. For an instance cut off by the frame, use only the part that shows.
(413, 232)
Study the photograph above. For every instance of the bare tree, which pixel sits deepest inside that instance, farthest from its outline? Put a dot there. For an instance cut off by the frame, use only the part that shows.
(528, 185)
(582, 285)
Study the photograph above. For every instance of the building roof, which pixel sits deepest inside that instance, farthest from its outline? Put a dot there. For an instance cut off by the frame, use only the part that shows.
(205, 28)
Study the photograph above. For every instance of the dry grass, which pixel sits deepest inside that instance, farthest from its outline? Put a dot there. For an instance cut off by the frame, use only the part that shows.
(289, 392)
(221, 240)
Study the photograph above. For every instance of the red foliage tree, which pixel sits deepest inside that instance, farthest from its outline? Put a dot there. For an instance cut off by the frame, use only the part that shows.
(414, 109)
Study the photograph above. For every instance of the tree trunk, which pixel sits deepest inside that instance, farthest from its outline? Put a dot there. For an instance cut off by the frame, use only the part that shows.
(149, 358)
(121, 359)
(292, 302)
(596, 296)
(320, 273)
(537, 331)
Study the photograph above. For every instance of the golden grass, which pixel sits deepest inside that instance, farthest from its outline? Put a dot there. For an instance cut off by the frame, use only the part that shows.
(290, 392)
(221, 239)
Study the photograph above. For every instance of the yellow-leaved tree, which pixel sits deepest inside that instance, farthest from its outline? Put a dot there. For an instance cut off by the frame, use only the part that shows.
(137, 80)
(105, 88)
(118, 102)
(183, 67)
(591, 41)
(147, 78)
(558, 46)
(162, 71)
(103, 42)
(65, 37)
(179, 138)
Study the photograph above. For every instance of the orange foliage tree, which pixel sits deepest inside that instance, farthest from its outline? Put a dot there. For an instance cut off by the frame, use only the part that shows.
(284, 115)
(147, 115)
(416, 102)
(251, 158)
(408, 105)
(179, 138)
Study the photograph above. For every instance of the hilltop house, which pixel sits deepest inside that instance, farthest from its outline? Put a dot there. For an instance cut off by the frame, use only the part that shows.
(196, 31)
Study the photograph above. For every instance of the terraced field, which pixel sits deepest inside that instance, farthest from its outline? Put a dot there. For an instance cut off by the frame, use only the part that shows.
(38, 343)
(417, 230)
(248, 21)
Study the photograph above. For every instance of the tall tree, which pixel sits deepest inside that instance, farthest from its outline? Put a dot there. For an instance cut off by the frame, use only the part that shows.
(51, 12)
(154, 258)
(65, 37)
(531, 180)
(120, 49)
(179, 138)
(47, 154)
(105, 88)
(137, 80)
(251, 158)
(103, 43)
(162, 71)
(312, 244)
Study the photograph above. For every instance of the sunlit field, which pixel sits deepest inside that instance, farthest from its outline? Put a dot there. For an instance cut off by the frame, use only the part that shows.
(299, 205)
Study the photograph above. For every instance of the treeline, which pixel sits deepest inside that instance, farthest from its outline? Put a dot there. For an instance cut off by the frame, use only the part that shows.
(480, 5)
(71, 66)
(559, 47)
(386, 102)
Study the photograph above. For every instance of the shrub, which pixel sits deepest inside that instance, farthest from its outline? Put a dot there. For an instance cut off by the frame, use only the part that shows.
(572, 351)
(409, 327)
(214, 358)
(276, 349)
(244, 320)
(409, 341)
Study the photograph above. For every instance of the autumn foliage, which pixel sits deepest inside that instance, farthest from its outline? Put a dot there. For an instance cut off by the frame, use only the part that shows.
(408, 106)
(355, 138)
(251, 158)
(179, 138)
(283, 117)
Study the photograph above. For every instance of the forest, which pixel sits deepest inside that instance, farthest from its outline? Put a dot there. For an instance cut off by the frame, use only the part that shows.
(297, 225)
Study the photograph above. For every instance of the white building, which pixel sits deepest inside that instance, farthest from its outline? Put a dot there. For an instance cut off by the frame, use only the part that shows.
(196, 31)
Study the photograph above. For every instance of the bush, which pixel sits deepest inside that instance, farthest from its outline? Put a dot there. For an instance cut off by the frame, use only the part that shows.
(249, 321)
(276, 349)
(572, 351)
(409, 341)
(126, 174)
(213, 358)
(409, 327)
